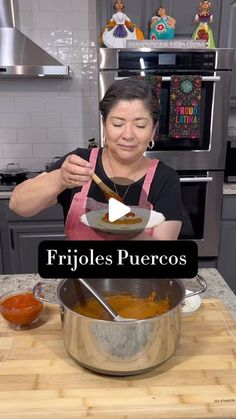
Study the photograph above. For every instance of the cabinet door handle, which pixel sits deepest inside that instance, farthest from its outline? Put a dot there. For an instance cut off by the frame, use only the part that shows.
(12, 239)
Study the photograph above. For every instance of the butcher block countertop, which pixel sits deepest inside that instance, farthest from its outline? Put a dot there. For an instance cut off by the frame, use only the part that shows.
(38, 379)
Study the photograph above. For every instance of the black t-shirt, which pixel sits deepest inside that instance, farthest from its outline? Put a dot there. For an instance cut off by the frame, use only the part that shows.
(164, 194)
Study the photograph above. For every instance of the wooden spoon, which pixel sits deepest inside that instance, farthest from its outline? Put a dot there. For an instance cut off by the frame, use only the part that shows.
(108, 192)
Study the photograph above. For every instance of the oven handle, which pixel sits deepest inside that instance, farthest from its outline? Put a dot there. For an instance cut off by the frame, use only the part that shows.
(168, 78)
(196, 179)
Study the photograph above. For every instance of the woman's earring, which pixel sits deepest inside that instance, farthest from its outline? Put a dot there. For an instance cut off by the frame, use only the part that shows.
(151, 144)
(104, 142)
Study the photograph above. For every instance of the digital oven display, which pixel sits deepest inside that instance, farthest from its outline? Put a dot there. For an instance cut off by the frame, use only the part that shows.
(167, 59)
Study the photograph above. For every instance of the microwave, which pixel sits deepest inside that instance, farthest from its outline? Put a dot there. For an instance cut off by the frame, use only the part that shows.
(230, 163)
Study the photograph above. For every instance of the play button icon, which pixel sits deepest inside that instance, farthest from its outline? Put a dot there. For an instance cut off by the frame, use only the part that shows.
(114, 226)
(116, 210)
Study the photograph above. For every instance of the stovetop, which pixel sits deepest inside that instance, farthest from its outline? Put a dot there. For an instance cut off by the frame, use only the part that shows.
(9, 185)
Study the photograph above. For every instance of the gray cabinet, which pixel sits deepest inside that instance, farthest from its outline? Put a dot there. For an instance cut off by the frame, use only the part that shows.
(226, 263)
(25, 238)
(20, 237)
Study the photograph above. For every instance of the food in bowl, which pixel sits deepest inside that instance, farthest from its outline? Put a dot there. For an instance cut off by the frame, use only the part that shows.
(20, 308)
(126, 305)
(130, 218)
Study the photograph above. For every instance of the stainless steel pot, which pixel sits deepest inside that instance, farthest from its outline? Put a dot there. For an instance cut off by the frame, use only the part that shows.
(119, 348)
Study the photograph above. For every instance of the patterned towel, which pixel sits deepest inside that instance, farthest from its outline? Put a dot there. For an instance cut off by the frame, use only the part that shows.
(155, 82)
(185, 97)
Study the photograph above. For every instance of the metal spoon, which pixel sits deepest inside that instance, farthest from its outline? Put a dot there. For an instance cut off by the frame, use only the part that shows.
(115, 316)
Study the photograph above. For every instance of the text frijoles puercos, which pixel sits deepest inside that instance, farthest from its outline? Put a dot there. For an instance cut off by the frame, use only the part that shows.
(118, 259)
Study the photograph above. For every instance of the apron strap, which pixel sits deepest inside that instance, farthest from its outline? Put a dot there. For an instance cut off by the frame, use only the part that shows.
(143, 202)
(92, 161)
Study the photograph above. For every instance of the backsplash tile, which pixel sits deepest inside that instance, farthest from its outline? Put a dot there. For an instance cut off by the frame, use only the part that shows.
(41, 119)
(8, 135)
(14, 120)
(45, 120)
(6, 104)
(62, 135)
(51, 150)
(31, 135)
(21, 150)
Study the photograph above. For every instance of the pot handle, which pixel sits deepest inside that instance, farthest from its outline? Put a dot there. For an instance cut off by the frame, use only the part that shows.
(203, 286)
(39, 293)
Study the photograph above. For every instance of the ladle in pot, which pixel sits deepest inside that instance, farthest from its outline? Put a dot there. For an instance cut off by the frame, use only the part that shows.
(115, 316)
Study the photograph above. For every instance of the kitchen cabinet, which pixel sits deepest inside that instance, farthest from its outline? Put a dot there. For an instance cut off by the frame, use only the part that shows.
(25, 238)
(20, 237)
(226, 263)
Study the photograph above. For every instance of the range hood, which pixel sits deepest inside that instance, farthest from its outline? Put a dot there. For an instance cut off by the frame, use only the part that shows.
(21, 57)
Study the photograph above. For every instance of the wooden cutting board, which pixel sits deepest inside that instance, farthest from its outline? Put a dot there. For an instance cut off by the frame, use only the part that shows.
(38, 379)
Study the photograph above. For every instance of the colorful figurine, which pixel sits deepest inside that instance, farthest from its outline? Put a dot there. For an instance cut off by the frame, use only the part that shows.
(162, 26)
(203, 20)
(120, 28)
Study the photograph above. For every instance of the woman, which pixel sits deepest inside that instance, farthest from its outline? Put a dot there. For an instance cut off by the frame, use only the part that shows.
(203, 20)
(130, 113)
(120, 28)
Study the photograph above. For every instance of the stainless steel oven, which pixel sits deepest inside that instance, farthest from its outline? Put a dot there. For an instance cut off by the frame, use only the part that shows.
(230, 163)
(215, 67)
(202, 196)
(200, 161)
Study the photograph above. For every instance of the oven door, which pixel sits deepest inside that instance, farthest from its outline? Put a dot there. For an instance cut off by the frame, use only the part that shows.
(202, 200)
(207, 151)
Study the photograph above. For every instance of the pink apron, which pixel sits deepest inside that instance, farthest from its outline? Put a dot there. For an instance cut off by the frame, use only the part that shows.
(75, 230)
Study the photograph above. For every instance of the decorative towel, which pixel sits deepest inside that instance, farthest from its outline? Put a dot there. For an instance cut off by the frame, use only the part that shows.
(155, 82)
(185, 97)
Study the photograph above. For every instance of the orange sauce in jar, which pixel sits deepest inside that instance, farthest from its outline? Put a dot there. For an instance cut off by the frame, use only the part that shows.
(20, 309)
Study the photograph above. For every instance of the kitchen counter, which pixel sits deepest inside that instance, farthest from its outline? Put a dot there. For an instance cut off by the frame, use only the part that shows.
(216, 286)
(39, 379)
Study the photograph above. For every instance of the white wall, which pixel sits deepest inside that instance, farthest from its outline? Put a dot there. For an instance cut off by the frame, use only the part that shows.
(43, 118)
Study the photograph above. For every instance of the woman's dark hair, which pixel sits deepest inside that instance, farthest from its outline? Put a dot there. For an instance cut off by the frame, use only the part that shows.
(130, 89)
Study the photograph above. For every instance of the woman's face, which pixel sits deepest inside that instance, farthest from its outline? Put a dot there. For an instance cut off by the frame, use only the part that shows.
(119, 5)
(128, 129)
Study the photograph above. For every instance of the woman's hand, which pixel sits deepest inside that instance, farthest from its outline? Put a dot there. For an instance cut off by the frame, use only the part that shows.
(75, 172)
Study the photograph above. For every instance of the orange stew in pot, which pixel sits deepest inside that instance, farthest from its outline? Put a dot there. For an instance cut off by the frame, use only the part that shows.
(126, 305)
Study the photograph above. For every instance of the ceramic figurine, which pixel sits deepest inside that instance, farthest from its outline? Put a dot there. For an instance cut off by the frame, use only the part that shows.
(162, 26)
(203, 19)
(120, 28)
